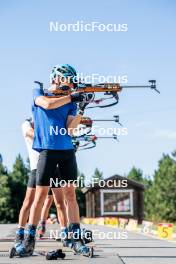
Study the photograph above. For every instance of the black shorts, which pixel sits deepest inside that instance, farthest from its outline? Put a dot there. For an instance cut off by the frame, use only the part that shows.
(52, 160)
(32, 179)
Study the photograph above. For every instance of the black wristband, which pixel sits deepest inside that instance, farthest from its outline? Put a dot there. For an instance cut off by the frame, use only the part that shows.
(81, 112)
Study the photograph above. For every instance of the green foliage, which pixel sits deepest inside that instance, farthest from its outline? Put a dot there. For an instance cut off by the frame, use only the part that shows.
(97, 176)
(81, 180)
(160, 192)
(136, 175)
(17, 183)
(79, 194)
(5, 209)
(164, 190)
(159, 195)
(81, 202)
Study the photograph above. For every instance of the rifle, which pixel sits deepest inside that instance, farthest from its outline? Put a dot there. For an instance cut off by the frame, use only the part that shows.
(109, 89)
(88, 141)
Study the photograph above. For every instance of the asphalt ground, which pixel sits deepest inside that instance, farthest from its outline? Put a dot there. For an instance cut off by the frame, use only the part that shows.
(111, 246)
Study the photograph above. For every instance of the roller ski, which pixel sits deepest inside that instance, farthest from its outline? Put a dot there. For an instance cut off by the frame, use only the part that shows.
(41, 229)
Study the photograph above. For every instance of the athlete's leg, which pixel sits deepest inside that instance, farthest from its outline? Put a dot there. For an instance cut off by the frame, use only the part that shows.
(46, 207)
(44, 215)
(45, 170)
(28, 200)
(60, 206)
(68, 169)
(35, 212)
(72, 205)
(25, 209)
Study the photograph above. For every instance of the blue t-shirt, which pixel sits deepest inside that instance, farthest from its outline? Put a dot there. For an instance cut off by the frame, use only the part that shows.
(50, 125)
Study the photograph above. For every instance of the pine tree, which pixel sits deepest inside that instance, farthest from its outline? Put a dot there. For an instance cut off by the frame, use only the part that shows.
(98, 175)
(18, 183)
(5, 209)
(137, 175)
(164, 190)
(81, 180)
(79, 194)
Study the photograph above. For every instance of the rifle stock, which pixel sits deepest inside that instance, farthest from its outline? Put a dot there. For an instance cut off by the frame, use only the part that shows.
(88, 88)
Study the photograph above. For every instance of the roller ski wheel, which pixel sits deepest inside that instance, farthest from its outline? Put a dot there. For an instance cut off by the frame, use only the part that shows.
(91, 252)
(12, 252)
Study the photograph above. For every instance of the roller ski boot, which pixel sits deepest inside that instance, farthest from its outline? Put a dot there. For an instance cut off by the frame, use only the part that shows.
(41, 229)
(19, 236)
(87, 236)
(64, 235)
(78, 245)
(26, 248)
(18, 241)
(79, 248)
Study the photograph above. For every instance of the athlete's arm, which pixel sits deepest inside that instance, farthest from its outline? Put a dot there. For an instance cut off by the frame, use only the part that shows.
(30, 133)
(72, 123)
(52, 103)
(27, 129)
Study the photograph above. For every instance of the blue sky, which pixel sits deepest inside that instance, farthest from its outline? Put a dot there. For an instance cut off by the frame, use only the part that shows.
(147, 50)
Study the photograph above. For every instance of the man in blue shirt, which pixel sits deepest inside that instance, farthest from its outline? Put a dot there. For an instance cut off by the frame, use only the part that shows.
(53, 118)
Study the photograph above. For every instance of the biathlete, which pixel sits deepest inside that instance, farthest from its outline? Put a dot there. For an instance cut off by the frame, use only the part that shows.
(28, 134)
(51, 117)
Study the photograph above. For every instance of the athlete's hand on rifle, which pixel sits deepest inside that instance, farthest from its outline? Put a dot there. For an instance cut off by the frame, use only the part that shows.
(77, 97)
(82, 105)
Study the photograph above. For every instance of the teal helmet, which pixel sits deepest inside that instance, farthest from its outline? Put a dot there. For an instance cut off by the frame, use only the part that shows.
(65, 71)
